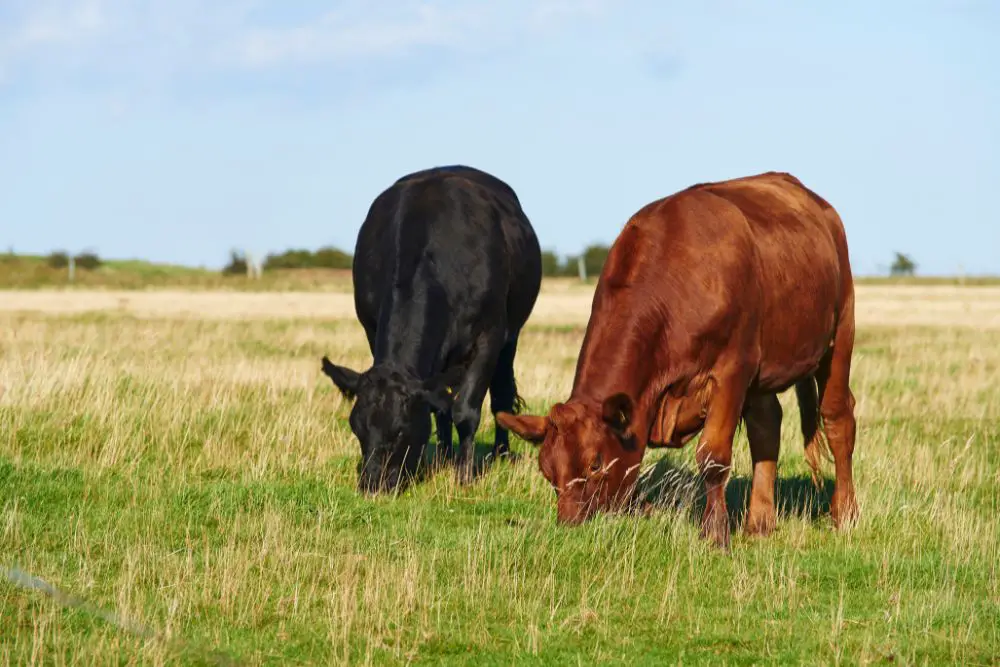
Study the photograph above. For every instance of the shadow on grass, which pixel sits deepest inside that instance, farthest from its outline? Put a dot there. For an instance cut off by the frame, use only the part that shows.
(482, 458)
(667, 486)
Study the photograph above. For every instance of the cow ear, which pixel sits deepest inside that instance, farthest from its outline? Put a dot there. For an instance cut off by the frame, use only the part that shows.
(527, 427)
(442, 390)
(345, 379)
(617, 414)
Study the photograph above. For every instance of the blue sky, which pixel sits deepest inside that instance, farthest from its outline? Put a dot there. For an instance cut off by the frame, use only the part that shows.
(174, 130)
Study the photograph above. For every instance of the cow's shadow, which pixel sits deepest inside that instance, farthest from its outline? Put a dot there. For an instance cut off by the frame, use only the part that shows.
(434, 458)
(668, 486)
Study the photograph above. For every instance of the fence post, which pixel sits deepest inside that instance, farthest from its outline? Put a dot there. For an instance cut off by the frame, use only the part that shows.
(72, 267)
(582, 268)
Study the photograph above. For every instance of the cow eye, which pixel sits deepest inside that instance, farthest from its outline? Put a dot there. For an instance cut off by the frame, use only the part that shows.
(595, 465)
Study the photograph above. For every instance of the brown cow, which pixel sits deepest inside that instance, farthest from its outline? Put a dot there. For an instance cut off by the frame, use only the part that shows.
(712, 301)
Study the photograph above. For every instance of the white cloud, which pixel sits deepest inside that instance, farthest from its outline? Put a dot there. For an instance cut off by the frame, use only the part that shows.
(50, 26)
(549, 12)
(168, 37)
(349, 33)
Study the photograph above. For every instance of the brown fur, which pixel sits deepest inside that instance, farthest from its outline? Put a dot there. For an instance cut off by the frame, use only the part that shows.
(712, 301)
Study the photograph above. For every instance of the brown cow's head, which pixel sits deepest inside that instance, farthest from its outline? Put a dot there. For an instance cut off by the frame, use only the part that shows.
(588, 454)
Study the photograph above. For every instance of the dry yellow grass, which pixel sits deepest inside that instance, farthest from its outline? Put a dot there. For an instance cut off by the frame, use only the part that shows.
(179, 459)
(560, 302)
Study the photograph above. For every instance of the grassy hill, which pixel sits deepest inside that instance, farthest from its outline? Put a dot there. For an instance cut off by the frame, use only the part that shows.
(34, 272)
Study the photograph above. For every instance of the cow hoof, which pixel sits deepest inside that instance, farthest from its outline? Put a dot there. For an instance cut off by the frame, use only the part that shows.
(464, 474)
(844, 511)
(505, 455)
(716, 530)
(759, 526)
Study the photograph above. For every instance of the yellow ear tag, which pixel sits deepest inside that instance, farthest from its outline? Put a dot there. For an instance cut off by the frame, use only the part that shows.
(448, 390)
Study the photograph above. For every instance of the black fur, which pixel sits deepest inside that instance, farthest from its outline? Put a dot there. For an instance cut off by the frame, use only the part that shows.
(446, 271)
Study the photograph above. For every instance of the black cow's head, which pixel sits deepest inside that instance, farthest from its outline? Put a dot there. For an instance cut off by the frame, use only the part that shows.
(391, 418)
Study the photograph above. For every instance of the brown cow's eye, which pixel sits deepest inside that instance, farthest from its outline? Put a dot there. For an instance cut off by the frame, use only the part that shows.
(595, 465)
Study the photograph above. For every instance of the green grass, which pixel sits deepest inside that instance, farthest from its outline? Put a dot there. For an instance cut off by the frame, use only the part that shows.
(197, 477)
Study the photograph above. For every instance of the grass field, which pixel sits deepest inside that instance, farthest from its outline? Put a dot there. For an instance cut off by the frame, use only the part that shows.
(178, 459)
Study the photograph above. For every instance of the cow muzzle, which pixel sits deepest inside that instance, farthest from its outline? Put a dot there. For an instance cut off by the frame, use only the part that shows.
(375, 479)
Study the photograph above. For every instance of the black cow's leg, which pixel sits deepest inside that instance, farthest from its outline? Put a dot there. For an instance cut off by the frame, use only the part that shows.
(468, 405)
(444, 448)
(503, 394)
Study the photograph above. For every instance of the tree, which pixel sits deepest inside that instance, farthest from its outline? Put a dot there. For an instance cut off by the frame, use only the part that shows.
(326, 257)
(550, 264)
(290, 259)
(237, 264)
(594, 258)
(88, 260)
(332, 258)
(902, 266)
(58, 259)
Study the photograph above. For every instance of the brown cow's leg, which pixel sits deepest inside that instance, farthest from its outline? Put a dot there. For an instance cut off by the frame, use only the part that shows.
(714, 456)
(763, 419)
(837, 409)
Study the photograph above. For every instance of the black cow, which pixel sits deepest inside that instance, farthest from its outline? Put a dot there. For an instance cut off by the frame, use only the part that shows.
(446, 270)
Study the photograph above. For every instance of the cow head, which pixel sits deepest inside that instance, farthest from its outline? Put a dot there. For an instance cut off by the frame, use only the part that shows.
(391, 418)
(589, 454)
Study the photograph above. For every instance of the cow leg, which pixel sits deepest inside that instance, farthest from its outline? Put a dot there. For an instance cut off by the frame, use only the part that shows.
(836, 406)
(443, 422)
(805, 390)
(503, 394)
(762, 416)
(715, 454)
(468, 405)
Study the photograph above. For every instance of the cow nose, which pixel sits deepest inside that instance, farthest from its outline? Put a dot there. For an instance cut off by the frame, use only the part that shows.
(570, 518)
(367, 484)
(376, 479)
(571, 514)
(372, 479)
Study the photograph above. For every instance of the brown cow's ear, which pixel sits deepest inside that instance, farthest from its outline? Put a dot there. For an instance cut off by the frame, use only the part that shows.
(617, 413)
(528, 427)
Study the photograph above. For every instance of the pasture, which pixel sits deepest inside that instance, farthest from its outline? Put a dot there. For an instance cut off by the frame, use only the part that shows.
(177, 458)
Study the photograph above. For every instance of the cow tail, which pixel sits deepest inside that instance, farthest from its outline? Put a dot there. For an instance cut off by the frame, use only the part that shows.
(519, 404)
(816, 446)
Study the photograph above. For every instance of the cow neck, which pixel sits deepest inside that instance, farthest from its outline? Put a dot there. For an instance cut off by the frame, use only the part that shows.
(613, 359)
(411, 334)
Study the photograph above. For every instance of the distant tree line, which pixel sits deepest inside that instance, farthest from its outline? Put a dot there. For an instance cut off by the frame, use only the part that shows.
(329, 257)
(594, 257)
(87, 261)
(325, 258)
